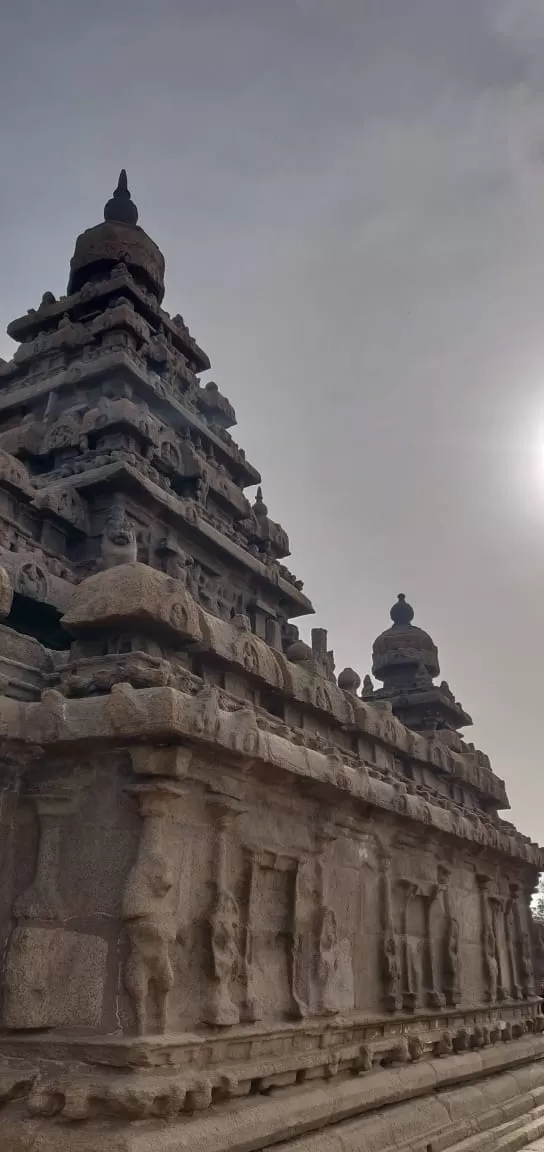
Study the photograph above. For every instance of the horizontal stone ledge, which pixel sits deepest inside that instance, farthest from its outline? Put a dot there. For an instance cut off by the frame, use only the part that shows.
(242, 1043)
(359, 1103)
(164, 715)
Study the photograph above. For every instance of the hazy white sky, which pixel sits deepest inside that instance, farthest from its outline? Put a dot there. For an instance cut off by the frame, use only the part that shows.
(350, 198)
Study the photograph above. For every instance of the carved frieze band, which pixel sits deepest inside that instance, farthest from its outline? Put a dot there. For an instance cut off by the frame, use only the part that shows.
(128, 713)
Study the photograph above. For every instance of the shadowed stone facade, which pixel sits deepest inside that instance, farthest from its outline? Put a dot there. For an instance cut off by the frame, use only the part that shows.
(242, 905)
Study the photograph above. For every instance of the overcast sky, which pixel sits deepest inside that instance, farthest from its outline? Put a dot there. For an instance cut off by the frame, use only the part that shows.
(350, 198)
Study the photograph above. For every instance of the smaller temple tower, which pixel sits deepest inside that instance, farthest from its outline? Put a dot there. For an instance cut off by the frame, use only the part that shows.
(405, 659)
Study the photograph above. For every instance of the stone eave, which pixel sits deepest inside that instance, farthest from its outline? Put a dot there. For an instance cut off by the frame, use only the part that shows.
(187, 511)
(428, 697)
(166, 405)
(131, 593)
(50, 589)
(131, 717)
(29, 326)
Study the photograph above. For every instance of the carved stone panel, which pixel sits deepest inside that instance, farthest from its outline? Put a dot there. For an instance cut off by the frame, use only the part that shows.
(54, 978)
(273, 951)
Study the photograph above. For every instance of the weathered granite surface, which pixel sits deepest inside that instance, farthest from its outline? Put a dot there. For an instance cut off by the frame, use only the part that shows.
(241, 904)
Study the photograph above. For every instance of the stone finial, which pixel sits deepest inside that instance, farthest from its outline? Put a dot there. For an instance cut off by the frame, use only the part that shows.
(299, 652)
(121, 209)
(402, 613)
(349, 681)
(259, 506)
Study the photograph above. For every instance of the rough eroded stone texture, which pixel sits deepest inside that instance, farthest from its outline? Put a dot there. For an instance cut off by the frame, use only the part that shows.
(52, 978)
(241, 902)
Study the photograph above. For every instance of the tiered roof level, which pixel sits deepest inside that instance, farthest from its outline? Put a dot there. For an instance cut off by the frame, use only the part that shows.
(106, 430)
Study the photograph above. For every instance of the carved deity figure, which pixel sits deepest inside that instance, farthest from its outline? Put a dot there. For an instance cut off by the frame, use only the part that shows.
(392, 972)
(412, 994)
(526, 964)
(327, 965)
(452, 971)
(151, 930)
(510, 929)
(118, 540)
(225, 928)
(491, 966)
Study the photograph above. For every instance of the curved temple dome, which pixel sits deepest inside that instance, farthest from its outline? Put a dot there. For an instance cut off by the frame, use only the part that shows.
(405, 659)
(119, 239)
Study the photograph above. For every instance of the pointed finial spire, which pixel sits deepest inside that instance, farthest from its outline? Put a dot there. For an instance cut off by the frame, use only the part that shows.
(259, 506)
(402, 612)
(121, 207)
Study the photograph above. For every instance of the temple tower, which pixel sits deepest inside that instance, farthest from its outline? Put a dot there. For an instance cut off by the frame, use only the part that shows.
(241, 903)
(405, 659)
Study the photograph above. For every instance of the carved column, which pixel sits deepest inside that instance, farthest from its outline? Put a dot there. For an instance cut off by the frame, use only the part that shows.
(327, 957)
(252, 1006)
(390, 950)
(489, 942)
(149, 906)
(224, 920)
(499, 931)
(42, 900)
(43, 985)
(510, 934)
(524, 950)
(451, 959)
(411, 994)
(433, 902)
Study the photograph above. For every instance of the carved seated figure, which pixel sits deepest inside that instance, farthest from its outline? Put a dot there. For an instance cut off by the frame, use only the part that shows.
(118, 540)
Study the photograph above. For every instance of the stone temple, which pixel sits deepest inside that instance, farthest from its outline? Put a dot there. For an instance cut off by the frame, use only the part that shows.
(243, 904)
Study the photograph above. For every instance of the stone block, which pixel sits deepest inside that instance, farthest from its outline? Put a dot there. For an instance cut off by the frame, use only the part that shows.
(53, 979)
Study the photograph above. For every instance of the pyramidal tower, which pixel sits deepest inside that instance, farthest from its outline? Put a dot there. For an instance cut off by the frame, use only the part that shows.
(242, 905)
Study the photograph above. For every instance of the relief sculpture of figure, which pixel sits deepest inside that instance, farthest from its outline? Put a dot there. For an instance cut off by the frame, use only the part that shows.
(150, 928)
(412, 994)
(392, 972)
(509, 923)
(225, 928)
(526, 965)
(491, 966)
(452, 973)
(327, 966)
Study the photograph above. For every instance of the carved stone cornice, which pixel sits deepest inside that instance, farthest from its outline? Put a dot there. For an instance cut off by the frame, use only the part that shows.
(165, 714)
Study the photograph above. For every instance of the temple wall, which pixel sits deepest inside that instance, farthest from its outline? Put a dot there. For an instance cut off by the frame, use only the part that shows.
(144, 904)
